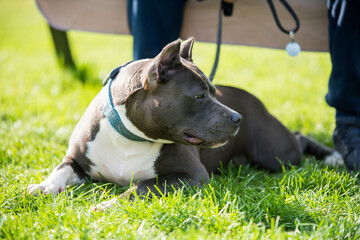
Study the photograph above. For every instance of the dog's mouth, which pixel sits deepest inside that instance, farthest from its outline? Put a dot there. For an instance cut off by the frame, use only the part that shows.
(192, 139)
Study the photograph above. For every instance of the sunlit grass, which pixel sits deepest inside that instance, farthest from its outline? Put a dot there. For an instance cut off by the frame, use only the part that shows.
(40, 104)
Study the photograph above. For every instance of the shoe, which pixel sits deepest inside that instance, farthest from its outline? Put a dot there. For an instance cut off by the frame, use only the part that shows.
(346, 139)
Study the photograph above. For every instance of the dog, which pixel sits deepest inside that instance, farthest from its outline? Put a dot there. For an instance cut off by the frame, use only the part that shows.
(160, 122)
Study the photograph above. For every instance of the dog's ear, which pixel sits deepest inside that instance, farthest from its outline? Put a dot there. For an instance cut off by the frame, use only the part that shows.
(186, 49)
(162, 63)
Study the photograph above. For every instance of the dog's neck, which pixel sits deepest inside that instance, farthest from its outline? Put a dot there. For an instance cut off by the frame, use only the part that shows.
(116, 114)
(116, 117)
(121, 110)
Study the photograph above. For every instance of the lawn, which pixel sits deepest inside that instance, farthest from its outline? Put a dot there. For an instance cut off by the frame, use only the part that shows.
(40, 103)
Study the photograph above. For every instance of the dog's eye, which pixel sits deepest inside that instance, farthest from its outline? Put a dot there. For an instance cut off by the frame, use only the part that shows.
(199, 96)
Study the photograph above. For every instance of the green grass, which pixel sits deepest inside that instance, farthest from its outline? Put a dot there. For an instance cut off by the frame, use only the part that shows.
(40, 104)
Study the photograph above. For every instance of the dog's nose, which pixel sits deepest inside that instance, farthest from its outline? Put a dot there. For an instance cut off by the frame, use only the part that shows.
(235, 118)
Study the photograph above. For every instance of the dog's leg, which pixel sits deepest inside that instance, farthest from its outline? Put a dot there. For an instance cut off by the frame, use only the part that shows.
(67, 173)
(162, 185)
(157, 186)
(309, 146)
(319, 151)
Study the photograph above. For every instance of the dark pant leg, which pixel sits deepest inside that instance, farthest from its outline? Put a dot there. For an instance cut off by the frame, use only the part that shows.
(344, 83)
(153, 24)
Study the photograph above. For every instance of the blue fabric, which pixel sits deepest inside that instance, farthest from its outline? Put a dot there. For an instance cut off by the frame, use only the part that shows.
(347, 140)
(344, 82)
(154, 24)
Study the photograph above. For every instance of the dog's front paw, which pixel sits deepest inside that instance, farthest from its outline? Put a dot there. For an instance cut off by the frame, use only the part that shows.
(105, 205)
(45, 188)
(334, 159)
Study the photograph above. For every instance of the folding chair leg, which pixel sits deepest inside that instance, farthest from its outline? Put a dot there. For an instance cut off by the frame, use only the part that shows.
(62, 47)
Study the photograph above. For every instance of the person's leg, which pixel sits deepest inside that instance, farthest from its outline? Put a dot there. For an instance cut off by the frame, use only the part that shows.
(154, 24)
(344, 82)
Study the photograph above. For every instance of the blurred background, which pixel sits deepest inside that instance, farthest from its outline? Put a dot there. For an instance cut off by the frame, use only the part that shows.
(40, 101)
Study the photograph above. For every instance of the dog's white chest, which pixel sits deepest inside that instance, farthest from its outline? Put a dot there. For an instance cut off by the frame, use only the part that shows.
(119, 160)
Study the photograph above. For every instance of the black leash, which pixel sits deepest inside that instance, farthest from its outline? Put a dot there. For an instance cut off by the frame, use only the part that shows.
(292, 13)
(218, 43)
(228, 9)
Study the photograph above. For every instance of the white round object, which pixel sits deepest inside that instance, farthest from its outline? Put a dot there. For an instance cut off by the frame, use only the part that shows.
(293, 49)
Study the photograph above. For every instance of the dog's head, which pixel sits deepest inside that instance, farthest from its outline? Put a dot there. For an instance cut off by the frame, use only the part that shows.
(176, 101)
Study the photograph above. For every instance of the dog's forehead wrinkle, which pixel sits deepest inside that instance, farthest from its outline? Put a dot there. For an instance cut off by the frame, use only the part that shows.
(197, 72)
(194, 69)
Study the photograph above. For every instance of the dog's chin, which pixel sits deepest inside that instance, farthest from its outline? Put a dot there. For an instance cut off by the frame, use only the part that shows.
(217, 145)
